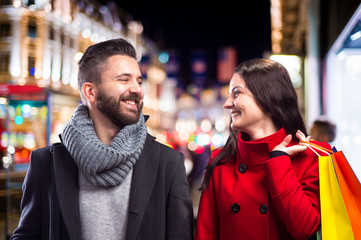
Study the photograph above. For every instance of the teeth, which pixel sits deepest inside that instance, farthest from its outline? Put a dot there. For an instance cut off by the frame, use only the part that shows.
(130, 102)
(234, 114)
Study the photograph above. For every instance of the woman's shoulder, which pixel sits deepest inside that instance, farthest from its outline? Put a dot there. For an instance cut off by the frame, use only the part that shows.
(220, 162)
(320, 147)
(322, 144)
(215, 153)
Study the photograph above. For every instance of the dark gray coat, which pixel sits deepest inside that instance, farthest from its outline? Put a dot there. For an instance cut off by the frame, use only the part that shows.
(160, 205)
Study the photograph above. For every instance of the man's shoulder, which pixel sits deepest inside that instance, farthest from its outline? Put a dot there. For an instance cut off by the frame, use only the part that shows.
(48, 149)
(45, 153)
(40, 160)
(165, 150)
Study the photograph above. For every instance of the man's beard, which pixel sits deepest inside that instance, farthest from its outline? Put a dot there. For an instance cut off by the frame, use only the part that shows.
(115, 112)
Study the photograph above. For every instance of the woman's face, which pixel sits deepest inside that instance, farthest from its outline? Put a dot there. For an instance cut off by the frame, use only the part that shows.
(246, 114)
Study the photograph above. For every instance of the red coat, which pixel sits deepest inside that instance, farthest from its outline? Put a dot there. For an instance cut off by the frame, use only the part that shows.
(255, 197)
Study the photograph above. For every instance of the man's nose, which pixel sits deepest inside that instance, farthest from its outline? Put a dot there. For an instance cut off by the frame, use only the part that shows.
(136, 87)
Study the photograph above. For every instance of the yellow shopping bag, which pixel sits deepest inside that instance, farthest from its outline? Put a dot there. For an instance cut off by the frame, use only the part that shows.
(335, 223)
(340, 196)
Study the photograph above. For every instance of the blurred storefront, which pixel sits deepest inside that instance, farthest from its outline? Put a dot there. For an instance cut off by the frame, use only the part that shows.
(293, 23)
(23, 121)
(342, 84)
(325, 37)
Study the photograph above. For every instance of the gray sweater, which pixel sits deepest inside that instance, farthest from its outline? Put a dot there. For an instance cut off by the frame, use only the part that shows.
(104, 210)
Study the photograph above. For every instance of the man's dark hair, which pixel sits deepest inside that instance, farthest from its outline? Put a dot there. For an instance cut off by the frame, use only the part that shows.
(327, 128)
(91, 64)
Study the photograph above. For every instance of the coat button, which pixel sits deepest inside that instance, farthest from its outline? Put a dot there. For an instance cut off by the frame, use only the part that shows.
(263, 208)
(235, 208)
(242, 168)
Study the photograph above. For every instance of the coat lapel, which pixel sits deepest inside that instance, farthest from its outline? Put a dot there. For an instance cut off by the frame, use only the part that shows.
(145, 171)
(66, 180)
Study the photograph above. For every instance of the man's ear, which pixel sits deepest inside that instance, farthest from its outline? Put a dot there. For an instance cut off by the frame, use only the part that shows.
(88, 90)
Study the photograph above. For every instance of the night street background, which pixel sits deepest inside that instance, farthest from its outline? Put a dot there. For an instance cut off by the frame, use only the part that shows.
(208, 25)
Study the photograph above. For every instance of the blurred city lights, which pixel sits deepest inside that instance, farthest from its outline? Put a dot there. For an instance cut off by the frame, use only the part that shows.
(94, 37)
(19, 120)
(355, 36)
(3, 100)
(136, 27)
(157, 74)
(203, 139)
(78, 56)
(217, 140)
(26, 108)
(21, 82)
(188, 164)
(293, 65)
(86, 33)
(192, 146)
(199, 150)
(206, 125)
(163, 57)
(10, 149)
(184, 136)
(341, 55)
(29, 141)
(6, 161)
(17, 3)
(220, 125)
(346, 140)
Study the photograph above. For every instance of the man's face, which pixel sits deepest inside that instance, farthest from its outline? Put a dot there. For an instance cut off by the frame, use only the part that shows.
(120, 94)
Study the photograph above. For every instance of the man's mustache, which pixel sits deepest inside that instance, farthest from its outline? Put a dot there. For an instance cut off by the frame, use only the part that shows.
(135, 97)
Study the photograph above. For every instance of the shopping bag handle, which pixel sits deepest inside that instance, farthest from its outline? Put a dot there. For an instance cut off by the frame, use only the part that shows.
(313, 146)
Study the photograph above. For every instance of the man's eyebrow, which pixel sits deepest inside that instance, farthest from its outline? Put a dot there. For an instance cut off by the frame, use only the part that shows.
(123, 75)
(127, 75)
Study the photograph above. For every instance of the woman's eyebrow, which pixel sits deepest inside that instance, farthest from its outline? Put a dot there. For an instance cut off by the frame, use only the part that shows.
(234, 88)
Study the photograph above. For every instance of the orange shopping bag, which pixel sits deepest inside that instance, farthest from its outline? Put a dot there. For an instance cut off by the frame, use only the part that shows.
(351, 191)
(340, 196)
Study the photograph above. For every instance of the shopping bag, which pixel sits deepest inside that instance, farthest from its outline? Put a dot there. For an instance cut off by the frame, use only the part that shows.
(335, 223)
(340, 196)
(351, 191)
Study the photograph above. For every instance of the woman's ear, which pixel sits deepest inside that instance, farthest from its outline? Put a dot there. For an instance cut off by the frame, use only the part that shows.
(88, 90)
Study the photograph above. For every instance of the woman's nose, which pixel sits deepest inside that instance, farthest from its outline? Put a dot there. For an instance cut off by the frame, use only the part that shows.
(228, 104)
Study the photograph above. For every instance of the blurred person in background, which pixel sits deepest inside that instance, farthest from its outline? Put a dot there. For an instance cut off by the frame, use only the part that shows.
(323, 130)
(262, 184)
(108, 178)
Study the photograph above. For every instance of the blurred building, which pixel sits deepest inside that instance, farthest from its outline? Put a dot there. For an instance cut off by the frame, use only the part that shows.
(324, 40)
(41, 43)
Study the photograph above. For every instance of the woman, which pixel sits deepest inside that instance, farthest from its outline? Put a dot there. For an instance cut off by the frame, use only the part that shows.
(262, 184)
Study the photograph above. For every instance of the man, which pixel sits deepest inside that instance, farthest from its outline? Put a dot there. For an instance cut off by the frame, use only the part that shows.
(108, 178)
(323, 130)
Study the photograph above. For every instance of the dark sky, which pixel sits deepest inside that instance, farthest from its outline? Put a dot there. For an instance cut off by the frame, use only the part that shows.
(189, 25)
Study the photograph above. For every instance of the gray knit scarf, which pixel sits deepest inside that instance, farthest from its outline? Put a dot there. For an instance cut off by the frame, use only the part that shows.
(101, 164)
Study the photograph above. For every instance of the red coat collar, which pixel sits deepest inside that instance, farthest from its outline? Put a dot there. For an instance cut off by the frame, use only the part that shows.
(257, 151)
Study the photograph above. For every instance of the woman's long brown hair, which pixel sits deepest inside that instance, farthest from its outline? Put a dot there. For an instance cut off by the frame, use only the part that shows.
(272, 88)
